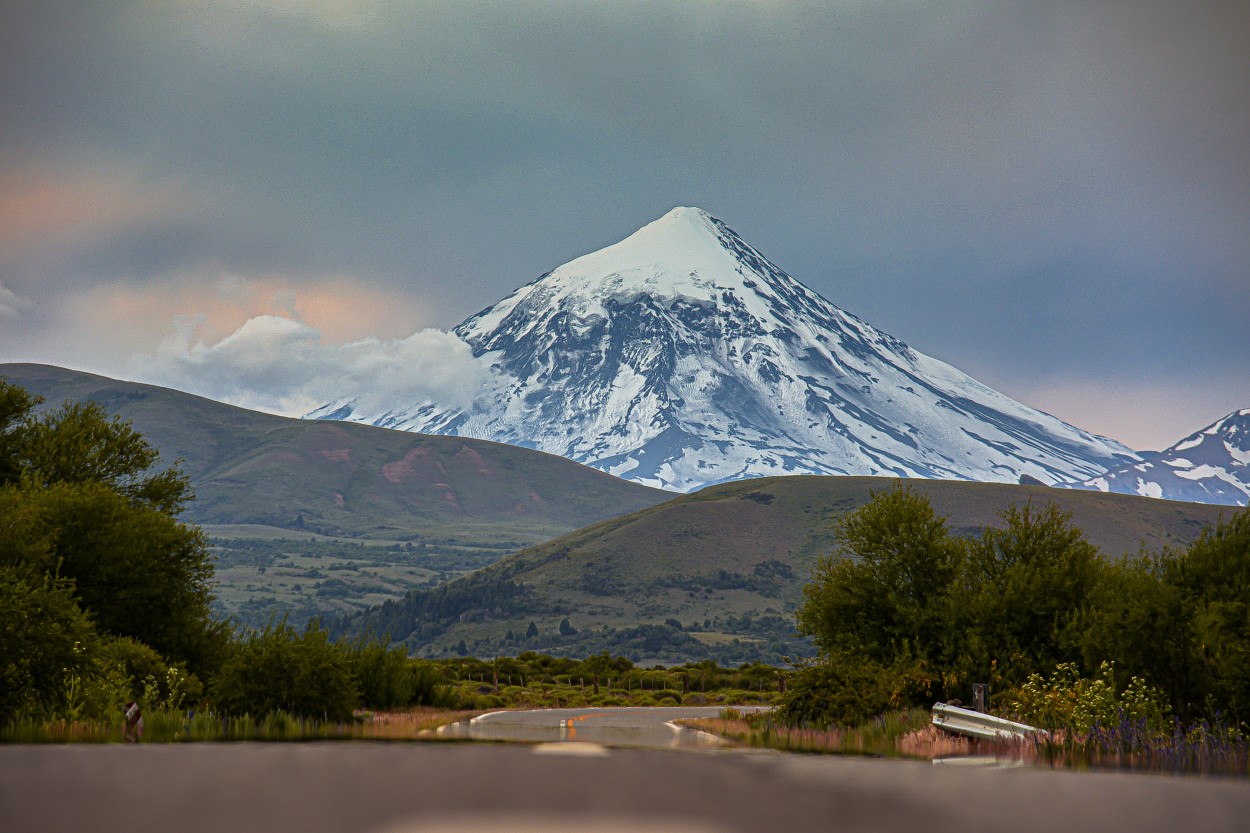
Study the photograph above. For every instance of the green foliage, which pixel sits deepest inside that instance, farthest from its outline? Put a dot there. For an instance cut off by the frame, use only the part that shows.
(79, 444)
(43, 640)
(842, 689)
(1213, 579)
(149, 679)
(387, 678)
(887, 596)
(934, 614)
(279, 669)
(16, 406)
(1031, 585)
(541, 680)
(1068, 701)
(1144, 623)
(138, 571)
(83, 500)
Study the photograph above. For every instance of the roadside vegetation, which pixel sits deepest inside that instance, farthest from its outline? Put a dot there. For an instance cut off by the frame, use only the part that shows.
(105, 599)
(1142, 659)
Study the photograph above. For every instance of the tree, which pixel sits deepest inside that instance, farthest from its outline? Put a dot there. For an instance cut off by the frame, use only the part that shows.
(1143, 623)
(16, 406)
(279, 669)
(1032, 585)
(79, 444)
(83, 498)
(1213, 578)
(138, 571)
(886, 595)
(841, 689)
(43, 640)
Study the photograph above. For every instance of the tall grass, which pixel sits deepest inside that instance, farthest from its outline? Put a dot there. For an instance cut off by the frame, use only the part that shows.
(879, 737)
(1204, 748)
(1132, 744)
(169, 726)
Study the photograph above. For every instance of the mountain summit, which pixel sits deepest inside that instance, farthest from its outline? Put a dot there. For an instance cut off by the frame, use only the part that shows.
(681, 357)
(1208, 466)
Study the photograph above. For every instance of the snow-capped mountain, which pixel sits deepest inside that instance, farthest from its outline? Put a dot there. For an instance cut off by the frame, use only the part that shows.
(682, 357)
(1211, 466)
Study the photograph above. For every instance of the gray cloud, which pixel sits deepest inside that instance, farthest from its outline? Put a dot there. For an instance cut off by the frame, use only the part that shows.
(1033, 192)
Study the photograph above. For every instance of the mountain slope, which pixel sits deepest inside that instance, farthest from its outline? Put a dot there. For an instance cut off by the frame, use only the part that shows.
(1209, 466)
(249, 468)
(681, 357)
(727, 562)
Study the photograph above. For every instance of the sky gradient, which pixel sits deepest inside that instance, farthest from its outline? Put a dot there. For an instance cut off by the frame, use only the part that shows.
(274, 202)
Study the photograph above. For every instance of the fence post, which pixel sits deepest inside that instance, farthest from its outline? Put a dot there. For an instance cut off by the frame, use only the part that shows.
(981, 697)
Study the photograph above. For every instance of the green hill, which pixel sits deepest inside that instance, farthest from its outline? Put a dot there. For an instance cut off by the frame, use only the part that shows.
(718, 572)
(287, 501)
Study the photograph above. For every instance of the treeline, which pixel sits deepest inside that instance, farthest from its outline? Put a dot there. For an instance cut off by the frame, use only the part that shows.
(105, 596)
(766, 639)
(533, 679)
(423, 615)
(909, 613)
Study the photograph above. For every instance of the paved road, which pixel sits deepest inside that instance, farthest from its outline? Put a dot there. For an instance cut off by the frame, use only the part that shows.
(651, 728)
(452, 787)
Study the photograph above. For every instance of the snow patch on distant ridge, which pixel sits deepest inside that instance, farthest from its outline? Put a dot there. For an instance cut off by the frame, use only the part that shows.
(1208, 466)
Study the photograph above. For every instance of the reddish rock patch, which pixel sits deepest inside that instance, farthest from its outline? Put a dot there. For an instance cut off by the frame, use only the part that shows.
(338, 455)
(474, 458)
(406, 468)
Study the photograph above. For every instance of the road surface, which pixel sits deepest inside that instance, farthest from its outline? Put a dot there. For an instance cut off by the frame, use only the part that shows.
(396, 787)
(618, 727)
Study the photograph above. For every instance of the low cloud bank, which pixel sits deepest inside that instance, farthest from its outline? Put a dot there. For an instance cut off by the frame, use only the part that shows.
(280, 365)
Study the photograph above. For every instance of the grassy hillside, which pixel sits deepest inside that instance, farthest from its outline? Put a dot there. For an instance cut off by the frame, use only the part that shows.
(350, 480)
(392, 509)
(726, 564)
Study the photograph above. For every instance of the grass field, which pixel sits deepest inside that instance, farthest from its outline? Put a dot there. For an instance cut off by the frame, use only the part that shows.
(729, 563)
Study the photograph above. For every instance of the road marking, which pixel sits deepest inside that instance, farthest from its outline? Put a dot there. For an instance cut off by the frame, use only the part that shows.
(704, 737)
(488, 714)
(578, 748)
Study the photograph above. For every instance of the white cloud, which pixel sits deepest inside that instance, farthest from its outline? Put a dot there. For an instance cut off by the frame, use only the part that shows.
(278, 364)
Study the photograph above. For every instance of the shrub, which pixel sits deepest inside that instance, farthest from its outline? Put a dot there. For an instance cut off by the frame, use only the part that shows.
(278, 669)
(387, 678)
(842, 689)
(1068, 701)
(43, 641)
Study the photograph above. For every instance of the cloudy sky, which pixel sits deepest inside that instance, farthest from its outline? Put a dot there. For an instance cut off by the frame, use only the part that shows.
(271, 201)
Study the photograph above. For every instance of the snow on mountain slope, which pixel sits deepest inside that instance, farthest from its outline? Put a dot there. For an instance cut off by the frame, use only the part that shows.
(1211, 466)
(682, 357)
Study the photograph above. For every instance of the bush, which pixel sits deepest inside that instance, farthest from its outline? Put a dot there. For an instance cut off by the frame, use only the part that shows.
(1067, 701)
(487, 701)
(841, 689)
(387, 678)
(278, 669)
(44, 638)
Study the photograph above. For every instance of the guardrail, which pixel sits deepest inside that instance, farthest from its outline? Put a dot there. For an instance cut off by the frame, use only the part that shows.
(980, 725)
